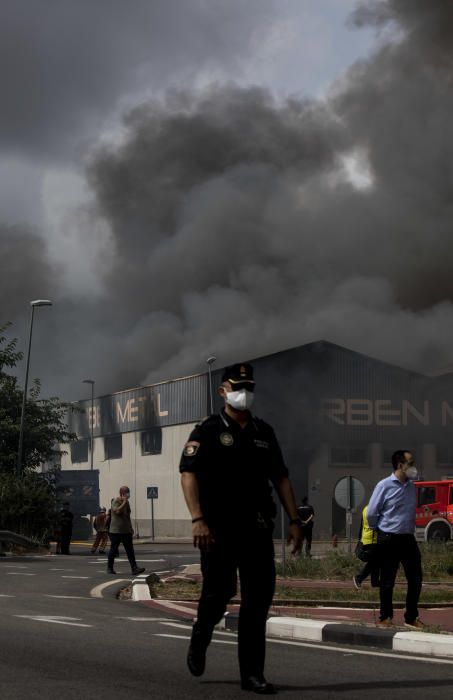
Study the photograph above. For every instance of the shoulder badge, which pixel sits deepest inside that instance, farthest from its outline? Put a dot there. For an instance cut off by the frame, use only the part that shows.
(226, 439)
(191, 448)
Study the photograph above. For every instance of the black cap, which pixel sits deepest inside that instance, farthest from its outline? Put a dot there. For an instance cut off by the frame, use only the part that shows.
(241, 373)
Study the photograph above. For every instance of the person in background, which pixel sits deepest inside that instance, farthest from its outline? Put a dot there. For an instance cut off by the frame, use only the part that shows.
(391, 511)
(121, 531)
(65, 519)
(307, 515)
(100, 525)
(368, 541)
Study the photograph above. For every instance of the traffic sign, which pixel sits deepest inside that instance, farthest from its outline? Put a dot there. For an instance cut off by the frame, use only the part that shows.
(349, 492)
(152, 492)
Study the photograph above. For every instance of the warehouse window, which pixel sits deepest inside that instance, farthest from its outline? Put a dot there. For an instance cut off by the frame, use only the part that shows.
(445, 455)
(388, 451)
(113, 446)
(79, 451)
(152, 441)
(348, 456)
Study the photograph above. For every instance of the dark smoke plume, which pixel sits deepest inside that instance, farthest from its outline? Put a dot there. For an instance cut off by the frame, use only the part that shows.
(236, 227)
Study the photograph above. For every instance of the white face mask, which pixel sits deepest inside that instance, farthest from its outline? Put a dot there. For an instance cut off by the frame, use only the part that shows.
(412, 473)
(240, 400)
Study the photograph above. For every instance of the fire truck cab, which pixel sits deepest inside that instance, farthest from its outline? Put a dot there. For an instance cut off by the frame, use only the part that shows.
(434, 513)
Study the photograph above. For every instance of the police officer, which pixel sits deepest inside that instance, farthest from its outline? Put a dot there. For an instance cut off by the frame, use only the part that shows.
(228, 468)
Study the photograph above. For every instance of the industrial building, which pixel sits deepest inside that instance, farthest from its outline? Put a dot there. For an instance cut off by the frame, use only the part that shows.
(336, 412)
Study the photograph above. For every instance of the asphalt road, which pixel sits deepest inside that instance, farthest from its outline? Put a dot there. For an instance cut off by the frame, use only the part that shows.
(59, 641)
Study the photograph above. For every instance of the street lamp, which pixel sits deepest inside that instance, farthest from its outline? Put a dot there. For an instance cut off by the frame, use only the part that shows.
(91, 381)
(33, 304)
(210, 361)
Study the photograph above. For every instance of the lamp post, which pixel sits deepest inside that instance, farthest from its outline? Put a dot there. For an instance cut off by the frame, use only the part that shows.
(91, 381)
(33, 304)
(210, 361)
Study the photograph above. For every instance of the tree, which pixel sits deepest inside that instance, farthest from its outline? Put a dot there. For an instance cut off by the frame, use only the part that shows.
(28, 500)
(45, 427)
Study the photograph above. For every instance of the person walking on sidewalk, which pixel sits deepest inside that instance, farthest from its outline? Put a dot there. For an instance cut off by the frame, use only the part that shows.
(391, 511)
(227, 468)
(100, 525)
(368, 546)
(121, 531)
(307, 515)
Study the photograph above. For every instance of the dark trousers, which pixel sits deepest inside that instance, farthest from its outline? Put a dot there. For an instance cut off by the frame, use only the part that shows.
(65, 541)
(307, 537)
(126, 540)
(392, 551)
(253, 556)
(371, 568)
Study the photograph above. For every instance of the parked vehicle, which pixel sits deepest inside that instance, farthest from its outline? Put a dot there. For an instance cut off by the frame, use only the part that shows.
(434, 518)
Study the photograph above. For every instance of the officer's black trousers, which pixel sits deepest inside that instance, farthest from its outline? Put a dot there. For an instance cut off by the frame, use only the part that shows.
(252, 554)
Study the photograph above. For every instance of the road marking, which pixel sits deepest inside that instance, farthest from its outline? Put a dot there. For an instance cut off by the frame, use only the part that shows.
(5, 595)
(18, 573)
(55, 619)
(361, 652)
(96, 592)
(69, 597)
(180, 636)
(16, 566)
(144, 619)
(76, 577)
(173, 606)
(62, 569)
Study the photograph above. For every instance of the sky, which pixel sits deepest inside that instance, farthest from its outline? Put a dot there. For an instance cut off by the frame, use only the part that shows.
(193, 177)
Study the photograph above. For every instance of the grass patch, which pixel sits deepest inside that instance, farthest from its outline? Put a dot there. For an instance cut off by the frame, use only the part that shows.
(437, 562)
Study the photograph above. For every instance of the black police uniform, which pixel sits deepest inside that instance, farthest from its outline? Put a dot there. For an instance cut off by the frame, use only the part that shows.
(234, 467)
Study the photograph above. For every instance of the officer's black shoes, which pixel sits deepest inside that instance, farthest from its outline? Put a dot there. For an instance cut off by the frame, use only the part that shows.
(258, 684)
(110, 570)
(138, 570)
(196, 659)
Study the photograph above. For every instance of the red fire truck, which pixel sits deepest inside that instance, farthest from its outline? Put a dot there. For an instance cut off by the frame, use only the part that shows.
(434, 518)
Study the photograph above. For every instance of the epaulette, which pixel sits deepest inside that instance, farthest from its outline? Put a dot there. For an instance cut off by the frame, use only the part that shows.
(205, 419)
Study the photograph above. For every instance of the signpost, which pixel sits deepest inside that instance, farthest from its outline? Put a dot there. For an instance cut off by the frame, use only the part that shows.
(152, 492)
(349, 493)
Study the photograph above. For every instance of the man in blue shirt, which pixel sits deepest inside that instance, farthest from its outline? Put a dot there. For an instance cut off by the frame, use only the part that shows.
(391, 511)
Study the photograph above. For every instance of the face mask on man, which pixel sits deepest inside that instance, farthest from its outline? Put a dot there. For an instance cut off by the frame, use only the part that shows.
(411, 473)
(240, 400)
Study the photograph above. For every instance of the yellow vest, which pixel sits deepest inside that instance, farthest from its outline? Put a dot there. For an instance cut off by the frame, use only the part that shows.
(369, 536)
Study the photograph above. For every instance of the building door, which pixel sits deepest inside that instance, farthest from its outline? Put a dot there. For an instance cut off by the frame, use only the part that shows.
(80, 488)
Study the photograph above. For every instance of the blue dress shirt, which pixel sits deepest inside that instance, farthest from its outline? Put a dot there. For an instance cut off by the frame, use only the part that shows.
(392, 506)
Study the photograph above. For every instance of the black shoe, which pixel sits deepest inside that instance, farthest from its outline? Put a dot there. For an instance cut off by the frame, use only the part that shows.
(138, 570)
(110, 570)
(258, 685)
(196, 659)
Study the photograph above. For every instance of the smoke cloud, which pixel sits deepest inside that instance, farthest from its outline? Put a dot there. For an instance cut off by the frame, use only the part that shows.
(236, 228)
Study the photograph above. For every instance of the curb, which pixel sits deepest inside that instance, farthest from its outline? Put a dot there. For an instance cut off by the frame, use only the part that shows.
(341, 633)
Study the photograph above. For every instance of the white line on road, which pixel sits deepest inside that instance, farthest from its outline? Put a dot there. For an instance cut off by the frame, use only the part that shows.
(55, 619)
(326, 647)
(62, 569)
(5, 595)
(16, 566)
(96, 592)
(18, 573)
(69, 597)
(361, 652)
(144, 619)
(174, 606)
(76, 577)
(180, 636)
